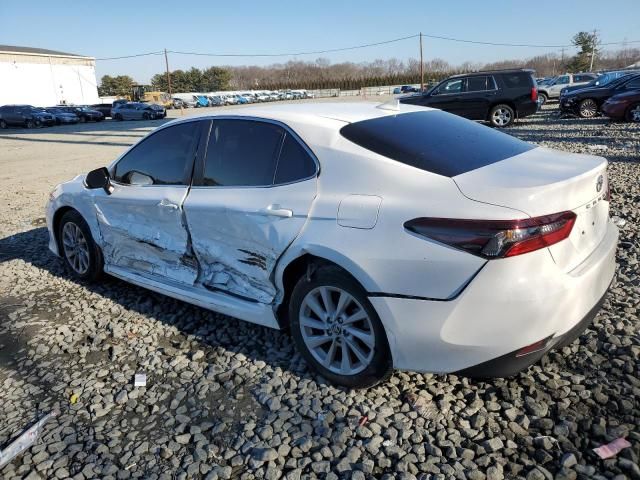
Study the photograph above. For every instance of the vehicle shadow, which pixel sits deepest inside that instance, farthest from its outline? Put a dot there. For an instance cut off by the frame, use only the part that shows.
(241, 337)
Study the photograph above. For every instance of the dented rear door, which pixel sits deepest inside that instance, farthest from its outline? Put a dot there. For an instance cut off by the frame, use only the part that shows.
(250, 199)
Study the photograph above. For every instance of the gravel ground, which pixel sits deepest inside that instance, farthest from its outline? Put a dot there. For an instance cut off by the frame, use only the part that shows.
(226, 399)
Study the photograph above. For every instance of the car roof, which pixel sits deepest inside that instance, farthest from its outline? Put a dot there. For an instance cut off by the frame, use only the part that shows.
(345, 112)
(493, 72)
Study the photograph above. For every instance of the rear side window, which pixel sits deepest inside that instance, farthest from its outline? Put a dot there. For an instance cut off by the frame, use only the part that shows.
(294, 163)
(517, 79)
(163, 158)
(435, 141)
(479, 84)
(242, 153)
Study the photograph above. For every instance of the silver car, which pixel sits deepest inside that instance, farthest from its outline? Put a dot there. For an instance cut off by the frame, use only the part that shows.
(135, 111)
(553, 88)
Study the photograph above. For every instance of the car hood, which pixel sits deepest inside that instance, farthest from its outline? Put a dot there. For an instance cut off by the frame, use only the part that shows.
(634, 94)
(588, 91)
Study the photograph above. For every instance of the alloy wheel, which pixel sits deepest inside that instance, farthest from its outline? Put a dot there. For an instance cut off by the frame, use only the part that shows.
(501, 117)
(337, 330)
(76, 248)
(588, 108)
(634, 114)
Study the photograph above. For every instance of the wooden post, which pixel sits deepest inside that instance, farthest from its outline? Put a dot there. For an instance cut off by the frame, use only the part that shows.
(166, 62)
(421, 66)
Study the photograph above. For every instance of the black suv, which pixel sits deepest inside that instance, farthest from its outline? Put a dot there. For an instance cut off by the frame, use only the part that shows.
(498, 97)
(24, 116)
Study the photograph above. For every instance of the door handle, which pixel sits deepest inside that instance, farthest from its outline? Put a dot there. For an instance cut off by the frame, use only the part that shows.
(167, 204)
(276, 211)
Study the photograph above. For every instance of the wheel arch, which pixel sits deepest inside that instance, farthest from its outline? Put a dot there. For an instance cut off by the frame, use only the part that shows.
(494, 104)
(304, 262)
(55, 223)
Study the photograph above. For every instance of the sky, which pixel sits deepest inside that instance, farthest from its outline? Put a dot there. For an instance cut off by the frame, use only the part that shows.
(117, 28)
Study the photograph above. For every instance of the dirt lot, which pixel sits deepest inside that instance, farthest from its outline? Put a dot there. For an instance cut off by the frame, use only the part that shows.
(226, 399)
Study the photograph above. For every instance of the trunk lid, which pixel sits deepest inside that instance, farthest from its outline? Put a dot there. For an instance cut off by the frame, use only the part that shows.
(544, 181)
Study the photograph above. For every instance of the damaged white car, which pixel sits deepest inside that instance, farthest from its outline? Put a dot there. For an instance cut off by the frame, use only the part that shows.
(382, 237)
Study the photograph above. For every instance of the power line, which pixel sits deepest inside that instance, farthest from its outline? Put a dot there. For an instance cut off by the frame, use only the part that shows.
(355, 47)
(131, 56)
(293, 54)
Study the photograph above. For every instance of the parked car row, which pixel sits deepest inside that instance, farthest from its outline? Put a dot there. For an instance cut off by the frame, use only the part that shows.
(617, 99)
(29, 116)
(220, 99)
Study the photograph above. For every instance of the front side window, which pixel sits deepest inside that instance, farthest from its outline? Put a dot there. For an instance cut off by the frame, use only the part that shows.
(242, 153)
(563, 80)
(452, 86)
(164, 158)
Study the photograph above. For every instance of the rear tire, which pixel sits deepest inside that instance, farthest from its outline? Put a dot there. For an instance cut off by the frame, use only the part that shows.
(501, 116)
(588, 108)
(632, 115)
(355, 352)
(81, 255)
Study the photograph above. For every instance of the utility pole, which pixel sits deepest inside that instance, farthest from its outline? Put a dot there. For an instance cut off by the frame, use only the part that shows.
(166, 62)
(421, 66)
(593, 49)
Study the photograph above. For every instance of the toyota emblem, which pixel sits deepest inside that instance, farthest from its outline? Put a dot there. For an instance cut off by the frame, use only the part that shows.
(599, 183)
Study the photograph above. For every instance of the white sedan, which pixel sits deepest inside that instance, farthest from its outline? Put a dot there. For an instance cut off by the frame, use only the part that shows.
(380, 236)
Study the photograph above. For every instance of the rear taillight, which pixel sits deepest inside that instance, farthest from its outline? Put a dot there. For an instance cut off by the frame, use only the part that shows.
(496, 238)
(534, 94)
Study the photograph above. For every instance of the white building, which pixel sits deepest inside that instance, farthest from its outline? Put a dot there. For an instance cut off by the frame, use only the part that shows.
(44, 78)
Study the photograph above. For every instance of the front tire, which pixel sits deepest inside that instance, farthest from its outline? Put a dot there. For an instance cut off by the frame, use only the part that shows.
(80, 253)
(632, 115)
(501, 116)
(588, 108)
(29, 123)
(3, 125)
(337, 330)
(118, 117)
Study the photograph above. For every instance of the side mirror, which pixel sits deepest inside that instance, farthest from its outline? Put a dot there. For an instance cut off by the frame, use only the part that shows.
(98, 178)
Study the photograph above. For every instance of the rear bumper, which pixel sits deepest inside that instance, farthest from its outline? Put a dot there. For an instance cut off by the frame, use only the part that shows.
(511, 363)
(510, 304)
(527, 109)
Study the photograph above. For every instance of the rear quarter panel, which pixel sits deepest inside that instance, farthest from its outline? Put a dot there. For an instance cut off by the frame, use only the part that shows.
(386, 258)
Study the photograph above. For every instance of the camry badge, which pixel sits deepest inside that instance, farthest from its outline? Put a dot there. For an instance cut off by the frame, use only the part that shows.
(599, 183)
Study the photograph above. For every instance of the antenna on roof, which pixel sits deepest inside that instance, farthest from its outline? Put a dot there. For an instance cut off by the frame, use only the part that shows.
(393, 104)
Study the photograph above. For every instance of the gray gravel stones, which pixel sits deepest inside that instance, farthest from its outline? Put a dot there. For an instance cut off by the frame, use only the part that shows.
(226, 399)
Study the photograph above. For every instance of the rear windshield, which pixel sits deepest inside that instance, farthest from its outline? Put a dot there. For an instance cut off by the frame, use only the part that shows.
(434, 141)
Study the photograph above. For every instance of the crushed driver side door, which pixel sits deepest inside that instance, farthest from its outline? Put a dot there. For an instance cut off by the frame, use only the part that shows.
(142, 222)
